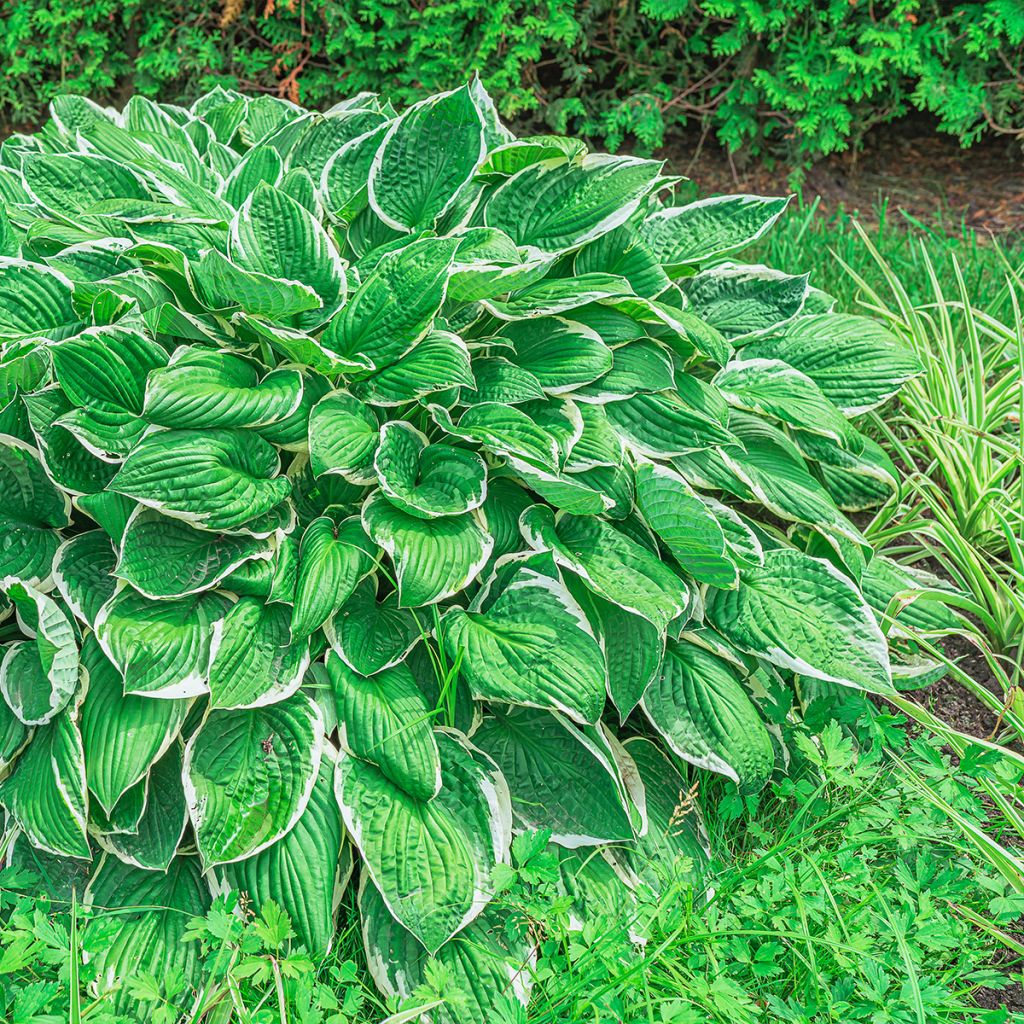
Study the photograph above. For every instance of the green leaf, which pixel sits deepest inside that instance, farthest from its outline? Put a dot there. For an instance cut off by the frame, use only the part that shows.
(38, 676)
(122, 735)
(685, 525)
(249, 775)
(431, 860)
(82, 572)
(710, 228)
(433, 558)
(855, 360)
(253, 661)
(45, 793)
(161, 648)
(673, 423)
(274, 235)
(154, 842)
(70, 183)
(632, 646)
(305, 871)
(611, 564)
(385, 720)
(426, 158)
(149, 913)
(557, 205)
(802, 614)
(503, 430)
(440, 361)
(369, 635)
(375, 327)
(333, 558)
(559, 777)
(702, 711)
(201, 388)
(163, 557)
(675, 846)
(343, 436)
(774, 389)
(487, 967)
(532, 646)
(35, 302)
(178, 472)
(31, 511)
(562, 355)
(427, 480)
(744, 302)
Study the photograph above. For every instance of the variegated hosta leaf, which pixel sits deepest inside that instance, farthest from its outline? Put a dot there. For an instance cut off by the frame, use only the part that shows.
(431, 860)
(249, 775)
(558, 205)
(675, 845)
(149, 933)
(685, 524)
(274, 235)
(558, 776)
(802, 614)
(46, 793)
(433, 558)
(532, 646)
(122, 734)
(490, 968)
(343, 436)
(38, 676)
(662, 425)
(32, 509)
(611, 564)
(561, 355)
(633, 646)
(855, 361)
(214, 479)
(253, 661)
(426, 158)
(218, 389)
(165, 557)
(700, 707)
(372, 326)
(161, 648)
(83, 568)
(744, 302)
(333, 557)
(304, 872)
(13, 734)
(708, 229)
(427, 480)
(384, 719)
(103, 372)
(37, 302)
(369, 635)
(776, 390)
(152, 844)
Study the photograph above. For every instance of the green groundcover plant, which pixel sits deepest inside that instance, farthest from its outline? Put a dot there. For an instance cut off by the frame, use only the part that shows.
(376, 487)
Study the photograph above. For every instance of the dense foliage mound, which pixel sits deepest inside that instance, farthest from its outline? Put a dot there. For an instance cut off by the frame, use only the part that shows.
(366, 480)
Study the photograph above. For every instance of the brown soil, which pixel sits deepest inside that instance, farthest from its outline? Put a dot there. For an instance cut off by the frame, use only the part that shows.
(909, 164)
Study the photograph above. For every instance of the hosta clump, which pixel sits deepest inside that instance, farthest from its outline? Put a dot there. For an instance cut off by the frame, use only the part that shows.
(367, 479)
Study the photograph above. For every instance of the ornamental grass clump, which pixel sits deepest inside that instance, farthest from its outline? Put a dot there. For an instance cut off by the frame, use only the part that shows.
(374, 487)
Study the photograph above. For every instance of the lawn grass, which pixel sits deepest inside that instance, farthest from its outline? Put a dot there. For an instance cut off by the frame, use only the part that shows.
(809, 239)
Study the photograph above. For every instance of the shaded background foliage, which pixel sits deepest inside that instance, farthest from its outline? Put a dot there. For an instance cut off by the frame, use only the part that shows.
(793, 78)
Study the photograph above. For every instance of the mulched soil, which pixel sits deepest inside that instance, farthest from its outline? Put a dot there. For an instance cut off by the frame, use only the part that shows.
(952, 702)
(917, 169)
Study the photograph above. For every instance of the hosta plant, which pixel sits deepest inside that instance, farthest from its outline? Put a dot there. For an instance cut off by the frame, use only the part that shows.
(375, 487)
